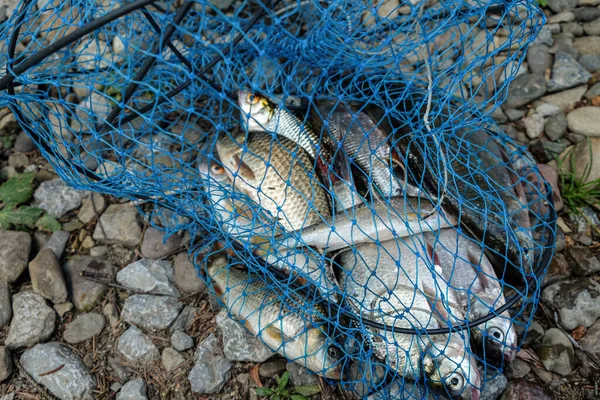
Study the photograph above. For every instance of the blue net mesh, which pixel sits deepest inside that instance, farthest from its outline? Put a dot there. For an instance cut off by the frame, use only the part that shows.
(349, 199)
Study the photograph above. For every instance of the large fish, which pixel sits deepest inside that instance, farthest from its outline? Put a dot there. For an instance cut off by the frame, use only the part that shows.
(389, 283)
(396, 217)
(293, 333)
(465, 267)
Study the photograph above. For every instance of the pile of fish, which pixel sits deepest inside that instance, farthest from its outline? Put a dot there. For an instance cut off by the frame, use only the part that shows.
(349, 203)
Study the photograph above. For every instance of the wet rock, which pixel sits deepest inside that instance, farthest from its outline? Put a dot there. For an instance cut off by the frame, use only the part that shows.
(558, 270)
(92, 206)
(151, 312)
(566, 99)
(562, 5)
(72, 381)
(576, 300)
(591, 62)
(494, 386)
(85, 294)
(524, 89)
(517, 369)
(272, 368)
(149, 276)
(299, 375)
(185, 319)
(522, 389)
(171, 359)
(47, 277)
(584, 121)
(33, 321)
(556, 127)
(154, 245)
(84, 327)
(567, 73)
(238, 344)
(181, 341)
(556, 352)
(186, 276)
(534, 125)
(583, 160)
(58, 243)
(586, 14)
(133, 390)
(134, 345)
(24, 144)
(587, 45)
(5, 304)
(211, 368)
(582, 260)
(121, 223)
(14, 254)
(591, 341)
(6, 364)
(56, 198)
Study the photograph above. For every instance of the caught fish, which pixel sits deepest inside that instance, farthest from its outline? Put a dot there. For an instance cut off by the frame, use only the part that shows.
(396, 217)
(295, 334)
(276, 174)
(389, 283)
(464, 265)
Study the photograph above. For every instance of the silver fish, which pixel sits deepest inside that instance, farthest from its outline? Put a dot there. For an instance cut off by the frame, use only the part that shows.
(295, 334)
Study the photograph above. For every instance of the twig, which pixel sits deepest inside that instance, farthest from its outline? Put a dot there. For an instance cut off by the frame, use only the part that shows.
(52, 370)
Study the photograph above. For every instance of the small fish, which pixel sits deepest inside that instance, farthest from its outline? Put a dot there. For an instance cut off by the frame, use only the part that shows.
(275, 173)
(465, 267)
(396, 217)
(295, 334)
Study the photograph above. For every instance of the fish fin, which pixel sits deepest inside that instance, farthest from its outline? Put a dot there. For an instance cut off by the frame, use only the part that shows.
(218, 290)
(243, 169)
(438, 307)
(433, 255)
(276, 334)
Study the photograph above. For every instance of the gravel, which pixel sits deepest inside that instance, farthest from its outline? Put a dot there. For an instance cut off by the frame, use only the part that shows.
(133, 390)
(238, 344)
(524, 89)
(6, 364)
(576, 300)
(186, 276)
(84, 328)
(33, 321)
(171, 359)
(121, 223)
(151, 312)
(582, 260)
(154, 244)
(134, 345)
(181, 341)
(211, 368)
(584, 121)
(567, 73)
(47, 277)
(556, 126)
(56, 198)
(58, 243)
(566, 99)
(149, 276)
(92, 206)
(14, 254)
(5, 304)
(556, 352)
(85, 293)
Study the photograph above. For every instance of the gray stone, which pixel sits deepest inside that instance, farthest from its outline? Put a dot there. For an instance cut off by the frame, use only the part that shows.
(584, 121)
(33, 321)
(558, 270)
(574, 138)
(560, 240)
(562, 5)
(586, 14)
(499, 116)
(583, 239)
(566, 99)
(185, 319)
(592, 28)
(564, 16)
(590, 342)
(47, 277)
(24, 144)
(238, 344)
(181, 341)
(149, 276)
(567, 73)
(121, 223)
(494, 386)
(587, 45)
(583, 160)
(591, 62)
(545, 35)
(112, 314)
(7, 172)
(563, 43)
(514, 114)
(135, 346)
(154, 246)
(546, 109)
(211, 368)
(63, 308)
(71, 379)
(186, 276)
(99, 251)
(6, 364)
(151, 312)
(5, 304)
(85, 293)
(171, 359)
(576, 300)
(14, 254)
(581, 221)
(58, 243)
(517, 369)
(545, 151)
(56, 198)
(531, 336)
(544, 376)
(593, 91)
(92, 206)
(556, 127)
(556, 352)
(524, 89)
(84, 327)
(582, 260)
(18, 160)
(522, 389)
(299, 375)
(133, 390)
(272, 368)
(572, 28)
(534, 125)
(10, 396)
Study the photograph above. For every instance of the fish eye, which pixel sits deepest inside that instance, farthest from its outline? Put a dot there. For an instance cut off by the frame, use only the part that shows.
(217, 169)
(454, 381)
(333, 352)
(252, 98)
(495, 333)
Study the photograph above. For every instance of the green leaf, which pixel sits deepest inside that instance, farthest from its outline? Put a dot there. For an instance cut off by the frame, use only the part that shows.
(17, 190)
(263, 391)
(307, 390)
(298, 397)
(543, 3)
(48, 223)
(283, 381)
(21, 217)
(8, 142)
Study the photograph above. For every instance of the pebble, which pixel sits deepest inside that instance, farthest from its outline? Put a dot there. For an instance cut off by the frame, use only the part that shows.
(494, 386)
(563, 43)
(544, 376)
(272, 368)
(592, 28)
(583, 239)
(72, 226)
(558, 270)
(171, 359)
(591, 62)
(211, 368)
(299, 375)
(149, 276)
(513, 114)
(5, 304)
(181, 341)
(566, 99)
(567, 73)
(6, 364)
(499, 116)
(85, 294)
(84, 327)
(556, 126)
(581, 222)
(47, 277)
(546, 109)
(222, 4)
(33, 321)
(532, 335)
(72, 381)
(63, 308)
(112, 314)
(134, 345)
(185, 319)
(517, 369)
(151, 312)
(99, 251)
(564, 16)
(121, 224)
(556, 352)
(238, 344)
(576, 300)
(534, 125)
(96, 203)
(582, 260)
(18, 160)
(586, 14)
(154, 246)
(186, 276)
(545, 35)
(562, 5)
(524, 89)
(581, 156)
(545, 151)
(572, 28)
(584, 121)
(587, 45)
(539, 60)
(7, 172)
(133, 390)
(593, 91)
(56, 198)
(590, 342)
(58, 243)
(522, 389)
(14, 254)
(24, 144)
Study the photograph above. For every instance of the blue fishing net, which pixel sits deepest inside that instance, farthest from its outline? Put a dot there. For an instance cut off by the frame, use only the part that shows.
(348, 197)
